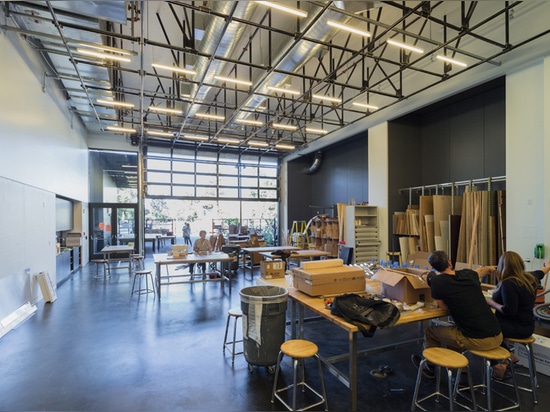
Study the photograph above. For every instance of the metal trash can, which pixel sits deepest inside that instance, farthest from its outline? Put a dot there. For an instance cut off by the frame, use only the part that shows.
(264, 322)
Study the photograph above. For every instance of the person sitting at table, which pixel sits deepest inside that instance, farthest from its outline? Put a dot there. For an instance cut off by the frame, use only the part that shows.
(513, 301)
(475, 326)
(200, 247)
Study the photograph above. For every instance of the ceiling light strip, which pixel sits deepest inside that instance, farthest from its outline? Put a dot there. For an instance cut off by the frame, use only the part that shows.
(174, 69)
(250, 122)
(315, 131)
(404, 46)
(114, 103)
(103, 55)
(255, 143)
(209, 116)
(365, 105)
(328, 98)
(165, 110)
(348, 28)
(284, 8)
(285, 146)
(231, 80)
(452, 61)
(121, 129)
(284, 126)
(282, 90)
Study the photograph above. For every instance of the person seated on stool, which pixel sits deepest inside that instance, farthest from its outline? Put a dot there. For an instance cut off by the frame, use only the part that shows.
(475, 325)
(513, 301)
(201, 247)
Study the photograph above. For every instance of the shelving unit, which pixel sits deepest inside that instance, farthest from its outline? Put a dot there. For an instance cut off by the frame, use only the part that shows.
(361, 232)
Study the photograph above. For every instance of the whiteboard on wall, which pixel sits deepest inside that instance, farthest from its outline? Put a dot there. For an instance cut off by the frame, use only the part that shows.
(27, 219)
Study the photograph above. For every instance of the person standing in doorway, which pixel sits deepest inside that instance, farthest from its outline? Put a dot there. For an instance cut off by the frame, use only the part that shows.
(187, 234)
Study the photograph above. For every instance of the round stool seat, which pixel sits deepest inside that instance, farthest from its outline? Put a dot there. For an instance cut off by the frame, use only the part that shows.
(142, 272)
(445, 357)
(99, 261)
(299, 348)
(236, 312)
(524, 341)
(498, 353)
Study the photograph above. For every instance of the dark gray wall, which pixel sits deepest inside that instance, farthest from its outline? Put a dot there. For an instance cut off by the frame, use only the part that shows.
(341, 177)
(458, 139)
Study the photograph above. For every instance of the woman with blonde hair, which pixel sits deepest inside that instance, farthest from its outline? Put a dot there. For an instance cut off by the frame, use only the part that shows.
(514, 298)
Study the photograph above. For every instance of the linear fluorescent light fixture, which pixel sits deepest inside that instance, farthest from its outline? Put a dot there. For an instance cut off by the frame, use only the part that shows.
(159, 133)
(115, 103)
(228, 140)
(107, 48)
(284, 8)
(404, 46)
(232, 80)
(285, 146)
(365, 105)
(284, 126)
(250, 122)
(328, 98)
(165, 110)
(452, 61)
(209, 116)
(100, 55)
(196, 137)
(282, 90)
(255, 143)
(348, 28)
(315, 131)
(174, 69)
(121, 129)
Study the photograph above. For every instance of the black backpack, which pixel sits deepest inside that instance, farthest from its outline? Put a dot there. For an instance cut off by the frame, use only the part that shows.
(359, 311)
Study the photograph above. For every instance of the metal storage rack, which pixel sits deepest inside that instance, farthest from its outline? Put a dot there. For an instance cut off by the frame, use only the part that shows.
(361, 232)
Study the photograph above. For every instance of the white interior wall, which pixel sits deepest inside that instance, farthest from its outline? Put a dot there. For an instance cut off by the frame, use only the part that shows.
(378, 180)
(39, 146)
(43, 153)
(527, 147)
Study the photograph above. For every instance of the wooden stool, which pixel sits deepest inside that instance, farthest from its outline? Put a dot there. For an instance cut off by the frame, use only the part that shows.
(235, 314)
(143, 274)
(106, 268)
(528, 345)
(450, 360)
(298, 350)
(497, 354)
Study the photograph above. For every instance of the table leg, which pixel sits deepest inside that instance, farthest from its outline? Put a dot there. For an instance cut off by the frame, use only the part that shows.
(157, 278)
(353, 370)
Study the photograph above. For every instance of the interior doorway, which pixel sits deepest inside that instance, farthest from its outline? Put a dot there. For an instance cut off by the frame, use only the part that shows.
(113, 224)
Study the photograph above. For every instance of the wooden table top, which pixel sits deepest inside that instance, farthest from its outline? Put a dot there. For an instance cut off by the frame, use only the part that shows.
(164, 258)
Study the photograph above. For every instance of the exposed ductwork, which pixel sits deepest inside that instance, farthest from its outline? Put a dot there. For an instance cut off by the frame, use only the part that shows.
(315, 165)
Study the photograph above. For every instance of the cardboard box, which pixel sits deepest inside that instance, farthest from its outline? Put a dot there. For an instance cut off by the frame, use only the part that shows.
(180, 251)
(272, 269)
(73, 239)
(404, 284)
(328, 277)
(541, 350)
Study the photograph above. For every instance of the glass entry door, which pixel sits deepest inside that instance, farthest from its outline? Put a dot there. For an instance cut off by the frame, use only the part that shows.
(112, 224)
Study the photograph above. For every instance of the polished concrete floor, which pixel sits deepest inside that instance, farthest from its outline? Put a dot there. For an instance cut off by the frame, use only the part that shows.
(97, 348)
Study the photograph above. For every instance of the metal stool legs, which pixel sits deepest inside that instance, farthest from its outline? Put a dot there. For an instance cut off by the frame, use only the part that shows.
(450, 360)
(236, 314)
(527, 345)
(140, 290)
(106, 268)
(488, 356)
(298, 350)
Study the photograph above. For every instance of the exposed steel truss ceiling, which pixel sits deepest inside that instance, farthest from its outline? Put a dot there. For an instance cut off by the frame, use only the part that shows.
(265, 47)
